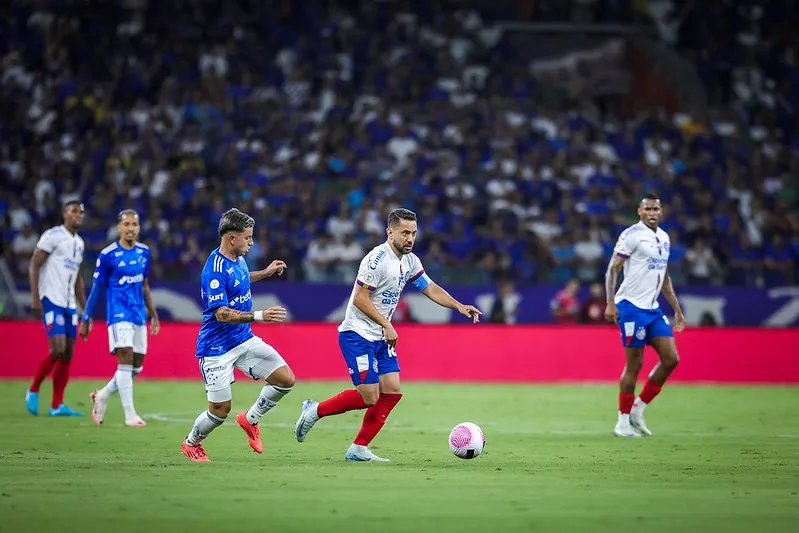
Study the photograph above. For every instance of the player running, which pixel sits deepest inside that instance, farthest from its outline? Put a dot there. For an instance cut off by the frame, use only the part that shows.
(368, 339)
(226, 340)
(56, 287)
(123, 271)
(643, 252)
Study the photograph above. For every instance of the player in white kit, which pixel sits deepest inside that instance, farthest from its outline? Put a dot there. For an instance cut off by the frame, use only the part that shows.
(368, 339)
(642, 251)
(56, 288)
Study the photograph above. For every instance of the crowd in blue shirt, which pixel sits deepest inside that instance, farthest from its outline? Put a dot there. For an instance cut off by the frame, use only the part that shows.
(317, 121)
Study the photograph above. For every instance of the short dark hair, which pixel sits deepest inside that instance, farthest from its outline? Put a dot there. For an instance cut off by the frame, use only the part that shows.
(650, 196)
(71, 202)
(234, 220)
(126, 212)
(400, 214)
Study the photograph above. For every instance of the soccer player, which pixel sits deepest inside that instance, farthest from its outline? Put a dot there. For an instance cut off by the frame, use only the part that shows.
(226, 340)
(56, 287)
(368, 340)
(123, 271)
(642, 251)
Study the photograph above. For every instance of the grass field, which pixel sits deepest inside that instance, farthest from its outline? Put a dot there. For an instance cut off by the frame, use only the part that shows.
(723, 459)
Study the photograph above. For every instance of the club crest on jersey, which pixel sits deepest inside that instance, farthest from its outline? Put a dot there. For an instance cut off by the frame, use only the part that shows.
(640, 333)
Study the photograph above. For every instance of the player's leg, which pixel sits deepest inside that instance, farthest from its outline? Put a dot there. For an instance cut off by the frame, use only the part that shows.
(361, 362)
(217, 373)
(61, 367)
(662, 340)
(390, 393)
(57, 346)
(634, 357)
(124, 344)
(262, 361)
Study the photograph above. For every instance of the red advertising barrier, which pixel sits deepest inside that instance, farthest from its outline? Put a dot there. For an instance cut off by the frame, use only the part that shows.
(444, 353)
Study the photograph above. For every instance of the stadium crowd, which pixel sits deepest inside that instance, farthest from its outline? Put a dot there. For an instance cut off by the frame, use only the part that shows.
(318, 120)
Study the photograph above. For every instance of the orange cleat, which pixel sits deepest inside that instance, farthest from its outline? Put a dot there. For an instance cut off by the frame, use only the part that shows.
(253, 432)
(195, 454)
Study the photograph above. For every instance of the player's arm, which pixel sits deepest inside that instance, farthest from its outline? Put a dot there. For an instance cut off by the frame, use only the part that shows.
(80, 290)
(275, 267)
(232, 316)
(155, 323)
(363, 302)
(437, 294)
(671, 297)
(99, 282)
(38, 259)
(624, 248)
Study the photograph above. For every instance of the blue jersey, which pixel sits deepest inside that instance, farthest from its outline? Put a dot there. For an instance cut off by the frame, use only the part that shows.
(122, 272)
(225, 283)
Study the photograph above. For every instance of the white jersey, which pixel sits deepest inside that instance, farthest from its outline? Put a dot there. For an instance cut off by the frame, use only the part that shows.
(647, 254)
(384, 275)
(60, 271)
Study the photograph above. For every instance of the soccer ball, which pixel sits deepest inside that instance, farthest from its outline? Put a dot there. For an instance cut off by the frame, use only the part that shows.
(466, 440)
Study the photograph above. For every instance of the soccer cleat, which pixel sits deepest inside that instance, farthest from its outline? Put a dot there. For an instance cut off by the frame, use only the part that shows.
(195, 454)
(135, 422)
(32, 402)
(638, 423)
(625, 430)
(253, 432)
(307, 419)
(357, 453)
(63, 410)
(99, 406)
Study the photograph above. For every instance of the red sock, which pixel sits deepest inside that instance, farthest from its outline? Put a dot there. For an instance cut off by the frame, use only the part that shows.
(60, 379)
(626, 400)
(348, 400)
(375, 417)
(649, 392)
(45, 366)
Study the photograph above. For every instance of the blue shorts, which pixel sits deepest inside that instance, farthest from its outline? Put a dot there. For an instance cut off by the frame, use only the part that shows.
(59, 320)
(366, 360)
(639, 326)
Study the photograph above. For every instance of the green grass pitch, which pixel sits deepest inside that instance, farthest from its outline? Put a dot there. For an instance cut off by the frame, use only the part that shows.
(723, 459)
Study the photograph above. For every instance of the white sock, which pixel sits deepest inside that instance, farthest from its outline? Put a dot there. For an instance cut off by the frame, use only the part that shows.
(639, 406)
(111, 387)
(624, 418)
(137, 370)
(203, 427)
(124, 379)
(268, 398)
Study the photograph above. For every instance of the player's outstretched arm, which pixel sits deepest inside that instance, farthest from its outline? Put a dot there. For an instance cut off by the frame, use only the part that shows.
(611, 280)
(80, 290)
(275, 267)
(38, 259)
(232, 316)
(155, 323)
(437, 294)
(674, 302)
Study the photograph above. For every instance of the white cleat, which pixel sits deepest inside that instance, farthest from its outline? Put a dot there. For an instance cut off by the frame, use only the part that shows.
(357, 453)
(99, 405)
(135, 422)
(625, 430)
(638, 423)
(307, 419)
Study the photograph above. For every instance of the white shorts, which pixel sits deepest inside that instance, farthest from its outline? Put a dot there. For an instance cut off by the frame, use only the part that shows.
(253, 357)
(127, 335)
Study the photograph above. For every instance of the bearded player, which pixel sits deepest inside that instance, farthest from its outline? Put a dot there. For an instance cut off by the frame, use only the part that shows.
(642, 251)
(368, 340)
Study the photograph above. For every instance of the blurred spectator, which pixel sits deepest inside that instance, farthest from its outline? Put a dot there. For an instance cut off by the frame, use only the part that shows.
(320, 259)
(505, 306)
(701, 263)
(565, 306)
(347, 256)
(23, 246)
(778, 263)
(593, 309)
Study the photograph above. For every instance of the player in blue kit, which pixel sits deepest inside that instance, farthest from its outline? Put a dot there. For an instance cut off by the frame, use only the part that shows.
(123, 271)
(226, 340)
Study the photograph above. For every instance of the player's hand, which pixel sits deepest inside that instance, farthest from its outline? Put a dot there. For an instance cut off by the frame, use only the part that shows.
(275, 267)
(679, 321)
(391, 335)
(84, 329)
(155, 326)
(36, 309)
(611, 313)
(470, 311)
(276, 313)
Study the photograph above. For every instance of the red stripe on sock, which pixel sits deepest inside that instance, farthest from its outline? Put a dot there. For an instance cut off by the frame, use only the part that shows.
(649, 392)
(348, 400)
(626, 400)
(60, 380)
(375, 417)
(42, 371)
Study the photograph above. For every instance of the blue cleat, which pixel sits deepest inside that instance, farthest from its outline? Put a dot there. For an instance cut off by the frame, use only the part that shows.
(32, 402)
(63, 410)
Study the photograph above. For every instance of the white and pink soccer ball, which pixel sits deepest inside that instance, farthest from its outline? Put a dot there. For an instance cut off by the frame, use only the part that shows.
(466, 440)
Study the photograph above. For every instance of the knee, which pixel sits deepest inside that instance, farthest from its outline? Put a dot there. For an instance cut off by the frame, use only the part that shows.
(282, 378)
(220, 410)
(671, 361)
(370, 397)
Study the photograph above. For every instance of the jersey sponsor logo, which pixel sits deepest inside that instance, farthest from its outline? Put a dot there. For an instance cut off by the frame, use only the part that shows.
(376, 261)
(215, 297)
(390, 297)
(69, 264)
(656, 263)
(241, 299)
(214, 284)
(124, 280)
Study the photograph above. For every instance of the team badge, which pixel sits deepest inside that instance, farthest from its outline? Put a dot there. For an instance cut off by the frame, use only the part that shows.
(640, 333)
